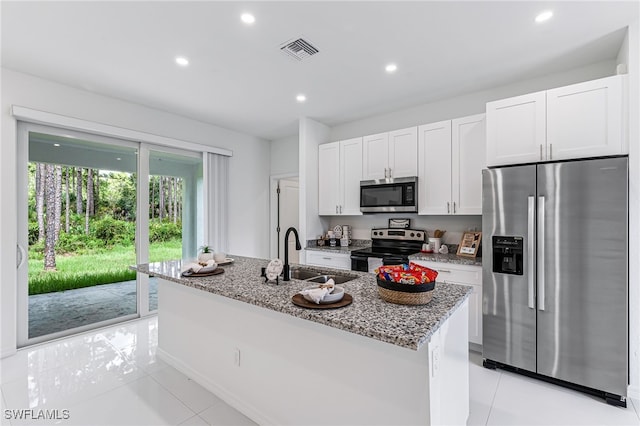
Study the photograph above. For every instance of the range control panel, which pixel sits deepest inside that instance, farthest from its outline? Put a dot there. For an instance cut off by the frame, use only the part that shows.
(398, 234)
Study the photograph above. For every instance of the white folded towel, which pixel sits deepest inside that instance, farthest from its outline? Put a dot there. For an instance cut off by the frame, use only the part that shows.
(194, 267)
(317, 294)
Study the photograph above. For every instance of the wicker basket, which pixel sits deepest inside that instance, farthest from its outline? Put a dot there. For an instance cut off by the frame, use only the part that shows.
(405, 294)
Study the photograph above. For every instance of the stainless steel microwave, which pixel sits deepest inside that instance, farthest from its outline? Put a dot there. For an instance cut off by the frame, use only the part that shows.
(389, 195)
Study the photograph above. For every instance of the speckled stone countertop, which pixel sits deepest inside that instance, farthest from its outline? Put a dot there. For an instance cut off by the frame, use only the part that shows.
(327, 249)
(447, 258)
(368, 315)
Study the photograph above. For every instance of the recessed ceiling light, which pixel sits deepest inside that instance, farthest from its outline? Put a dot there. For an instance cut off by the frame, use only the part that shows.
(118, 158)
(544, 16)
(248, 18)
(301, 98)
(391, 68)
(182, 61)
(56, 144)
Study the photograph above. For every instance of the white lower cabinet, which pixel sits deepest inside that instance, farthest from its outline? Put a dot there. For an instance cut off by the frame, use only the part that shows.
(469, 275)
(329, 260)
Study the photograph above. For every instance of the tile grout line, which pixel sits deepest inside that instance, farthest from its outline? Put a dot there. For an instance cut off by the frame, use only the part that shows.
(180, 399)
(493, 400)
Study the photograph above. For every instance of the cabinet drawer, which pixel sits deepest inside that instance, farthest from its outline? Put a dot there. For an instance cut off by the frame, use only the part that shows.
(453, 273)
(330, 260)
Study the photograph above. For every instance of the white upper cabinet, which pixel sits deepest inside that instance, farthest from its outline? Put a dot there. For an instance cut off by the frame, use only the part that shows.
(375, 156)
(577, 121)
(434, 170)
(585, 120)
(350, 175)
(516, 129)
(403, 147)
(339, 175)
(328, 178)
(391, 154)
(468, 150)
(451, 156)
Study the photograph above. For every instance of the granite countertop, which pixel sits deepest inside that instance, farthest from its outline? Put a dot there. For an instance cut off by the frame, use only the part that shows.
(338, 249)
(402, 325)
(447, 258)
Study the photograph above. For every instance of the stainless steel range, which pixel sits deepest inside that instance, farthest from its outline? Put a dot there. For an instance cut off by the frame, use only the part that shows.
(389, 246)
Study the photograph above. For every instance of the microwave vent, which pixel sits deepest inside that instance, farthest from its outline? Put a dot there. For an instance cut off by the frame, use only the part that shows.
(298, 49)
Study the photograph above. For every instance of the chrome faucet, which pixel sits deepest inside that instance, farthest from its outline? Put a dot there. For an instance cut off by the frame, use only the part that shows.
(286, 271)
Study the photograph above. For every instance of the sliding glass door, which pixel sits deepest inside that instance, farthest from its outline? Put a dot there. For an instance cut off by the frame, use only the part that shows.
(89, 208)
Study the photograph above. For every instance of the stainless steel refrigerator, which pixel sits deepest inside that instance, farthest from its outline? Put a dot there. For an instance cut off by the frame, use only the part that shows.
(555, 272)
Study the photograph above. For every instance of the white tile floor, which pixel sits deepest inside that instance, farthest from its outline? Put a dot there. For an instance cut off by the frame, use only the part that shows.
(112, 377)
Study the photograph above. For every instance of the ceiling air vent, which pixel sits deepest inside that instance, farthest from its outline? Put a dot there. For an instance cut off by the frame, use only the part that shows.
(298, 49)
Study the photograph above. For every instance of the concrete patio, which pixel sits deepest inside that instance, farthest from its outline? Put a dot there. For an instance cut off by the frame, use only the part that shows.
(64, 310)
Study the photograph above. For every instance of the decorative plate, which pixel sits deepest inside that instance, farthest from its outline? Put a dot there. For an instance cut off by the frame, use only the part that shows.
(337, 229)
(274, 269)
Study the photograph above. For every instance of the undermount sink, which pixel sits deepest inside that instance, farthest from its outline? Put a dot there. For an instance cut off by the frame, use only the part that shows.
(318, 277)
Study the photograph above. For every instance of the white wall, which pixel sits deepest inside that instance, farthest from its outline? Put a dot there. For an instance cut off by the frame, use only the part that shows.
(284, 155)
(312, 134)
(248, 176)
(468, 104)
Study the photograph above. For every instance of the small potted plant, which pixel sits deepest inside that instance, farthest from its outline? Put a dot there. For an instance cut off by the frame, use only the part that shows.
(205, 253)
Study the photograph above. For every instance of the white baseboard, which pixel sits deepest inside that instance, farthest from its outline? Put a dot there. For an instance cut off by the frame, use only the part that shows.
(633, 391)
(217, 390)
(8, 353)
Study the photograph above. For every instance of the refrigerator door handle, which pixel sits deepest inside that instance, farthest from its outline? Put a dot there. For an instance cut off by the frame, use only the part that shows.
(531, 210)
(540, 265)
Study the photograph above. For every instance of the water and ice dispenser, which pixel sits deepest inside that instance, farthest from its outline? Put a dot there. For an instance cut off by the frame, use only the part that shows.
(507, 255)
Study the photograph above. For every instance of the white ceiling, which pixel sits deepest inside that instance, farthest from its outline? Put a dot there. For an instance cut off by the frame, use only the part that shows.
(239, 79)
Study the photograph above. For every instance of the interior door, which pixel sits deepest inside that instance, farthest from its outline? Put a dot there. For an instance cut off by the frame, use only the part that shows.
(289, 195)
(509, 315)
(582, 282)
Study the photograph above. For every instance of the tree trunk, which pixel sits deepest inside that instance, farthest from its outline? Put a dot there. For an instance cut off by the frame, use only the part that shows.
(96, 191)
(170, 198)
(89, 200)
(66, 204)
(41, 181)
(58, 200)
(79, 190)
(49, 242)
(161, 198)
(153, 201)
(175, 200)
(90, 197)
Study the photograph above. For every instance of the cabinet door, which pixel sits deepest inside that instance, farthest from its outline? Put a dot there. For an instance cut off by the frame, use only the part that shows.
(585, 119)
(403, 150)
(516, 130)
(351, 175)
(467, 161)
(328, 178)
(329, 260)
(434, 175)
(375, 156)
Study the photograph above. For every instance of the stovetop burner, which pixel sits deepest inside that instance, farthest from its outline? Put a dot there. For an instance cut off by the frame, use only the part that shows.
(394, 242)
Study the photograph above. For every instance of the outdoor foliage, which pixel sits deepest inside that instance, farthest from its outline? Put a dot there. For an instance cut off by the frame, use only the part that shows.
(82, 225)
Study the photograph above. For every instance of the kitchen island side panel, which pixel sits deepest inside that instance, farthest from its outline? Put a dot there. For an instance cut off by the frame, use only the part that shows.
(293, 371)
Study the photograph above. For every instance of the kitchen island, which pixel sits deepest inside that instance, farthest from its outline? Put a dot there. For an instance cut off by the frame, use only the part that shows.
(371, 362)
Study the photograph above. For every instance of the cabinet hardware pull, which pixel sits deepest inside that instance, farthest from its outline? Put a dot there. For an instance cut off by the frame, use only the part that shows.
(386, 173)
(540, 151)
(550, 151)
(336, 209)
(326, 258)
(454, 206)
(340, 209)
(531, 206)
(444, 270)
(390, 175)
(448, 207)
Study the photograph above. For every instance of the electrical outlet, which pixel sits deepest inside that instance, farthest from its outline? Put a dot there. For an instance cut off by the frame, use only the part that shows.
(236, 357)
(435, 361)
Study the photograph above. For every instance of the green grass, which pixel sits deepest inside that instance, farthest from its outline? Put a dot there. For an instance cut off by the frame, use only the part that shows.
(101, 266)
